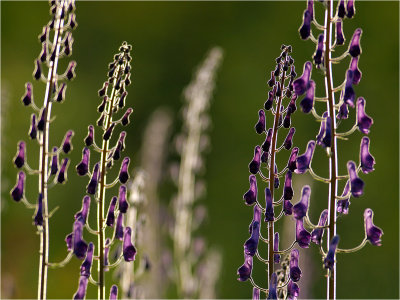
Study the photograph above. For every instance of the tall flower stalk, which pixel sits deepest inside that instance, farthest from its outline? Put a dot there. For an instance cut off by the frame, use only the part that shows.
(56, 39)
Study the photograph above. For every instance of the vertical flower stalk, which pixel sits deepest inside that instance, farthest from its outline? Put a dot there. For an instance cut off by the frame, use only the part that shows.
(56, 40)
(328, 135)
(197, 95)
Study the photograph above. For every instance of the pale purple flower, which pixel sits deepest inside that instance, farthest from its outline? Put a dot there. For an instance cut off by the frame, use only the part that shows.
(367, 161)
(250, 196)
(318, 233)
(373, 232)
(329, 260)
(303, 161)
(300, 85)
(294, 271)
(303, 237)
(357, 74)
(128, 250)
(354, 47)
(350, 9)
(356, 184)
(114, 292)
(364, 121)
(301, 208)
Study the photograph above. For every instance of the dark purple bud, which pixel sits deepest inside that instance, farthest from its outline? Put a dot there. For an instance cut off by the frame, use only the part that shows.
(277, 257)
(90, 137)
(38, 220)
(373, 232)
(245, 270)
(271, 82)
(354, 47)
(102, 106)
(319, 51)
(350, 9)
(62, 173)
(343, 205)
(119, 228)
(276, 179)
(292, 103)
(303, 161)
(349, 94)
(81, 292)
(250, 246)
(128, 250)
(343, 112)
(123, 204)
(61, 92)
(269, 209)
(308, 101)
(339, 33)
(87, 263)
(100, 120)
(123, 173)
(341, 10)
(108, 132)
(80, 246)
(264, 157)
(366, 159)
(322, 129)
(329, 260)
(286, 121)
(27, 98)
(19, 159)
(301, 84)
(43, 36)
(270, 100)
(92, 186)
(71, 21)
(326, 140)
(301, 208)
(287, 207)
(364, 121)
(110, 215)
(310, 8)
(292, 165)
(318, 233)
(83, 167)
(68, 241)
(305, 29)
(54, 162)
(277, 70)
(53, 54)
(256, 294)
(42, 119)
(71, 70)
(127, 80)
(260, 126)
(117, 151)
(295, 272)
(288, 143)
(254, 165)
(125, 119)
(357, 74)
(114, 292)
(356, 184)
(267, 143)
(303, 237)
(67, 146)
(37, 73)
(293, 291)
(82, 215)
(121, 102)
(33, 129)
(250, 196)
(288, 190)
(103, 90)
(272, 287)
(278, 90)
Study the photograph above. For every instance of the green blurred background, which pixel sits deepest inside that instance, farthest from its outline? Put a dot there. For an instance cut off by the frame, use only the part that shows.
(169, 40)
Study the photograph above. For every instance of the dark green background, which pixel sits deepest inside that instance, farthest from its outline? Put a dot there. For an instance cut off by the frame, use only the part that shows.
(169, 39)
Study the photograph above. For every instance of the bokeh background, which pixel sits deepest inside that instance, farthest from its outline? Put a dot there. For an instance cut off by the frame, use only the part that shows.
(169, 40)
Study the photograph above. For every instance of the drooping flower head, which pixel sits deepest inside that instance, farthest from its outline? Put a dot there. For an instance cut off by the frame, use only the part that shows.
(372, 232)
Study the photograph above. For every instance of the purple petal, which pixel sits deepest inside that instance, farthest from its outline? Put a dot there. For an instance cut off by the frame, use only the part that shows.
(303, 161)
(301, 208)
(373, 232)
(366, 159)
(250, 196)
(128, 250)
(364, 121)
(356, 184)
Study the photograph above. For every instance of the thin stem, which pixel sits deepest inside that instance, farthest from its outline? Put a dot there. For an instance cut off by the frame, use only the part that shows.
(61, 263)
(286, 250)
(355, 249)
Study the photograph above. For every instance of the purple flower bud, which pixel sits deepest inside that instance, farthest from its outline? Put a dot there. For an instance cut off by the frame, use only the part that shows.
(128, 250)
(277, 71)
(92, 186)
(292, 159)
(125, 119)
(272, 287)
(292, 103)
(87, 264)
(264, 157)
(303, 237)
(301, 84)
(301, 208)
(329, 260)
(123, 173)
(288, 143)
(293, 291)
(317, 234)
(54, 162)
(121, 102)
(27, 98)
(286, 121)
(364, 121)
(19, 159)
(256, 215)
(114, 292)
(350, 9)
(61, 92)
(37, 73)
(269, 209)
(89, 138)
(119, 228)
(288, 191)
(326, 140)
(319, 51)
(81, 292)
(339, 33)
(127, 80)
(254, 165)
(373, 232)
(276, 179)
(38, 219)
(287, 207)
(303, 161)
(341, 10)
(42, 119)
(67, 146)
(267, 143)
(308, 101)
(343, 205)
(356, 184)
(43, 36)
(295, 272)
(110, 215)
(271, 82)
(80, 246)
(82, 215)
(106, 252)
(108, 132)
(251, 195)
(357, 74)
(277, 257)
(349, 94)
(83, 167)
(260, 126)
(245, 270)
(102, 105)
(71, 70)
(250, 246)
(366, 159)
(305, 29)
(278, 90)
(256, 294)
(103, 90)
(68, 241)
(354, 47)
(343, 112)
(310, 8)
(322, 129)
(33, 129)
(123, 204)
(100, 120)
(62, 173)
(270, 100)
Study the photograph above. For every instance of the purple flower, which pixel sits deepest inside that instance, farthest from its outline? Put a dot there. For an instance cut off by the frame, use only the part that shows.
(349, 94)
(373, 232)
(277, 257)
(37, 72)
(269, 208)
(287, 207)
(110, 215)
(329, 260)
(354, 47)
(260, 126)
(250, 196)
(326, 140)
(305, 29)
(267, 143)
(356, 184)
(245, 270)
(276, 179)
(123, 204)
(308, 101)
(319, 51)
(272, 287)
(80, 246)
(318, 233)
(301, 208)
(27, 98)
(90, 137)
(250, 246)
(271, 82)
(303, 161)
(19, 159)
(109, 131)
(254, 165)
(366, 159)
(33, 129)
(322, 129)
(341, 10)
(123, 173)
(70, 74)
(343, 112)
(364, 121)
(121, 102)
(310, 8)
(82, 215)
(38, 220)
(303, 237)
(87, 263)
(128, 250)
(119, 229)
(292, 103)
(67, 146)
(293, 291)
(106, 252)
(288, 143)
(256, 294)
(350, 9)
(291, 165)
(343, 205)
(125, 119)
(286, 121)
(68, 241)
(92, 186)
(114, 292)
(270, 100)
(120, 146)
(81, 292)
(295, 272)
(356, 71)
(339, 33)
(102, 105)
(62, 173)
(18, 191)
(301, 84)
(83, 167)
(54, 162)
(103, 90)
(61, 93)
(288, 190)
